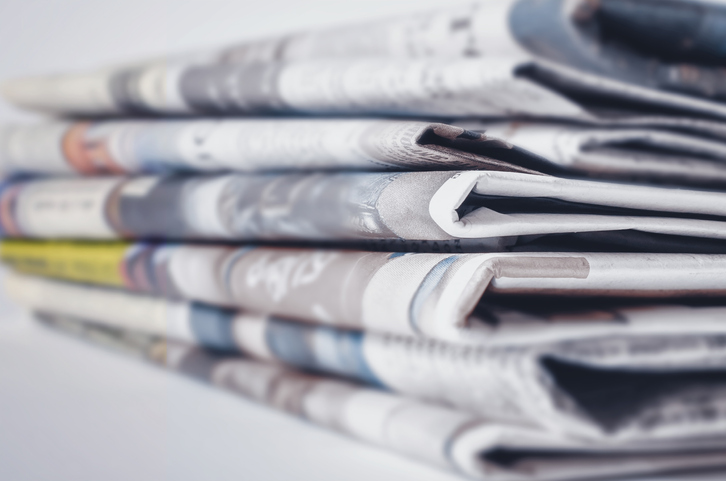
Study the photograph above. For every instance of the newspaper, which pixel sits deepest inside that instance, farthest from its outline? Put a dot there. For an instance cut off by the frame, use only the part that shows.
(643, 151)
(269, 145)
(472, 445)
(441, 88)
(522, 320)
(491, 58)
(249, 145)
(549, 384)
(412, 294)
(479, 210)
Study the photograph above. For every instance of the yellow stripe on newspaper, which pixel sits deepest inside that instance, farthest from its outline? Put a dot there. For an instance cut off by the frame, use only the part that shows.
(98, 263)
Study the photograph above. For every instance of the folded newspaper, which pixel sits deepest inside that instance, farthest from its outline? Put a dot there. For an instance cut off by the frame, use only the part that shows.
(518, 320)
(659, 386)
(413, 294)
(530, 57)
(266, 145)
(475, 446)
(474, 210)
(251, 145)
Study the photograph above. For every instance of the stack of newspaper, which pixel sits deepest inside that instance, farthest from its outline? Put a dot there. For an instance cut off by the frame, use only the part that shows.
(491, 238)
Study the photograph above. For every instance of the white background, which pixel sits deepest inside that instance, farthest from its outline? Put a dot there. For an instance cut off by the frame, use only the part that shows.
(69, 411)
